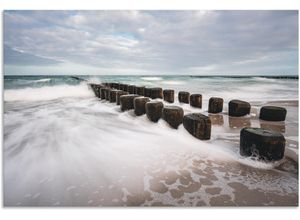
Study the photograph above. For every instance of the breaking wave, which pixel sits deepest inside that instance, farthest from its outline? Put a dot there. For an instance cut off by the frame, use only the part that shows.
(47, 93)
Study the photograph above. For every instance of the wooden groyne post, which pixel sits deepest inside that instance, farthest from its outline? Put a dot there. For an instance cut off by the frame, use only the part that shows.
(259, 142)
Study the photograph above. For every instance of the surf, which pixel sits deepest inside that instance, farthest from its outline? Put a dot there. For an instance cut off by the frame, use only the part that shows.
(47, 93)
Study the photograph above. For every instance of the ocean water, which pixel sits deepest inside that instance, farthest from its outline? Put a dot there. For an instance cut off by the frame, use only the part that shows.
(65, 147)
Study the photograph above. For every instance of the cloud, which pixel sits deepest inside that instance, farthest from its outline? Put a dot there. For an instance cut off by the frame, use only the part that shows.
(19, 58)
(158, 42)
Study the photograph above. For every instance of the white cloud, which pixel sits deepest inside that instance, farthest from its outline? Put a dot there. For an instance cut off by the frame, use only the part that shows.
(176, 42)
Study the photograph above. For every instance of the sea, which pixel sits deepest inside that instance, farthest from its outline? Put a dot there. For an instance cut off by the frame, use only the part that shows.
(63, 146)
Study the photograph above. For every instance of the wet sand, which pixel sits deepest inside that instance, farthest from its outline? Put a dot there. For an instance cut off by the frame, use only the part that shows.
(202, 182)
(197, 181)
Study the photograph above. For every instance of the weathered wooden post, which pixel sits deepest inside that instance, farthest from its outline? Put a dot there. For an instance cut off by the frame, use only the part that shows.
(125, 88)
(140, 105)
(103, 92)
(156, 93)
(196, 100)
(97, 89)
(147, 92)
(197, 125)
(173, 115)
(169, 95)
(126, 101)
(263, 144)
(140, 90)
(119, 94)
(215, 105)
(272, 113)
(113, 95)
(117, 86)
(238, 108)
(107, 94)
(184, 97)
(131, 89)
(154, 110)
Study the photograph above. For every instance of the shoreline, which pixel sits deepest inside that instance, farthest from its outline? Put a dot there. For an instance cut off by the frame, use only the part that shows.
(194, 173)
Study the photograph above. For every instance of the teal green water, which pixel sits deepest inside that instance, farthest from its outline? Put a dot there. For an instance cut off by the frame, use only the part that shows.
(249, 88)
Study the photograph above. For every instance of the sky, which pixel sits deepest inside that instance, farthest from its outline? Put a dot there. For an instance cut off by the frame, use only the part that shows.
(151, 42)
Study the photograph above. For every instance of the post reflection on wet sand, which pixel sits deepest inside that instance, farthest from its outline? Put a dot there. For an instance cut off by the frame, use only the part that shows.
(239, 122)
(216, 119)
(273, 126)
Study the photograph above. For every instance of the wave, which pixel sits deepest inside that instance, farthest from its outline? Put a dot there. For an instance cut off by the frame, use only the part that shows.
(88, 144)
(173, 82)
(264, 79)
(151, 78)
(47, 93)
(94, 79)
(42, 80)
(247, 76)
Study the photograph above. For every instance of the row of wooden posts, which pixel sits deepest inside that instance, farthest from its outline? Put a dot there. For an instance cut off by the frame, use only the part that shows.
(264, 144)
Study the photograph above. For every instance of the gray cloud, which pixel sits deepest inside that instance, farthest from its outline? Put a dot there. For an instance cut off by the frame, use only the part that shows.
(158, 42)
(19, 58)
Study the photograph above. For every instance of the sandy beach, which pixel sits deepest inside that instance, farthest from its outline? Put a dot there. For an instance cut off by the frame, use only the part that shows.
(66, 147)
(71, 140)
(187, 177)
(199, 181)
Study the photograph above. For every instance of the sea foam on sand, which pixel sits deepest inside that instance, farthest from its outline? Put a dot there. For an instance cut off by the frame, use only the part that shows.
(65, 147)
(67, 151)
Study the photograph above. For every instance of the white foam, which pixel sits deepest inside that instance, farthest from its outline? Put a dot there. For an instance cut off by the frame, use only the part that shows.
(43, 80)
(47, 93)
(151, 78)
(94, 80)
(292, 153)
(86, 145)
(173, 82)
